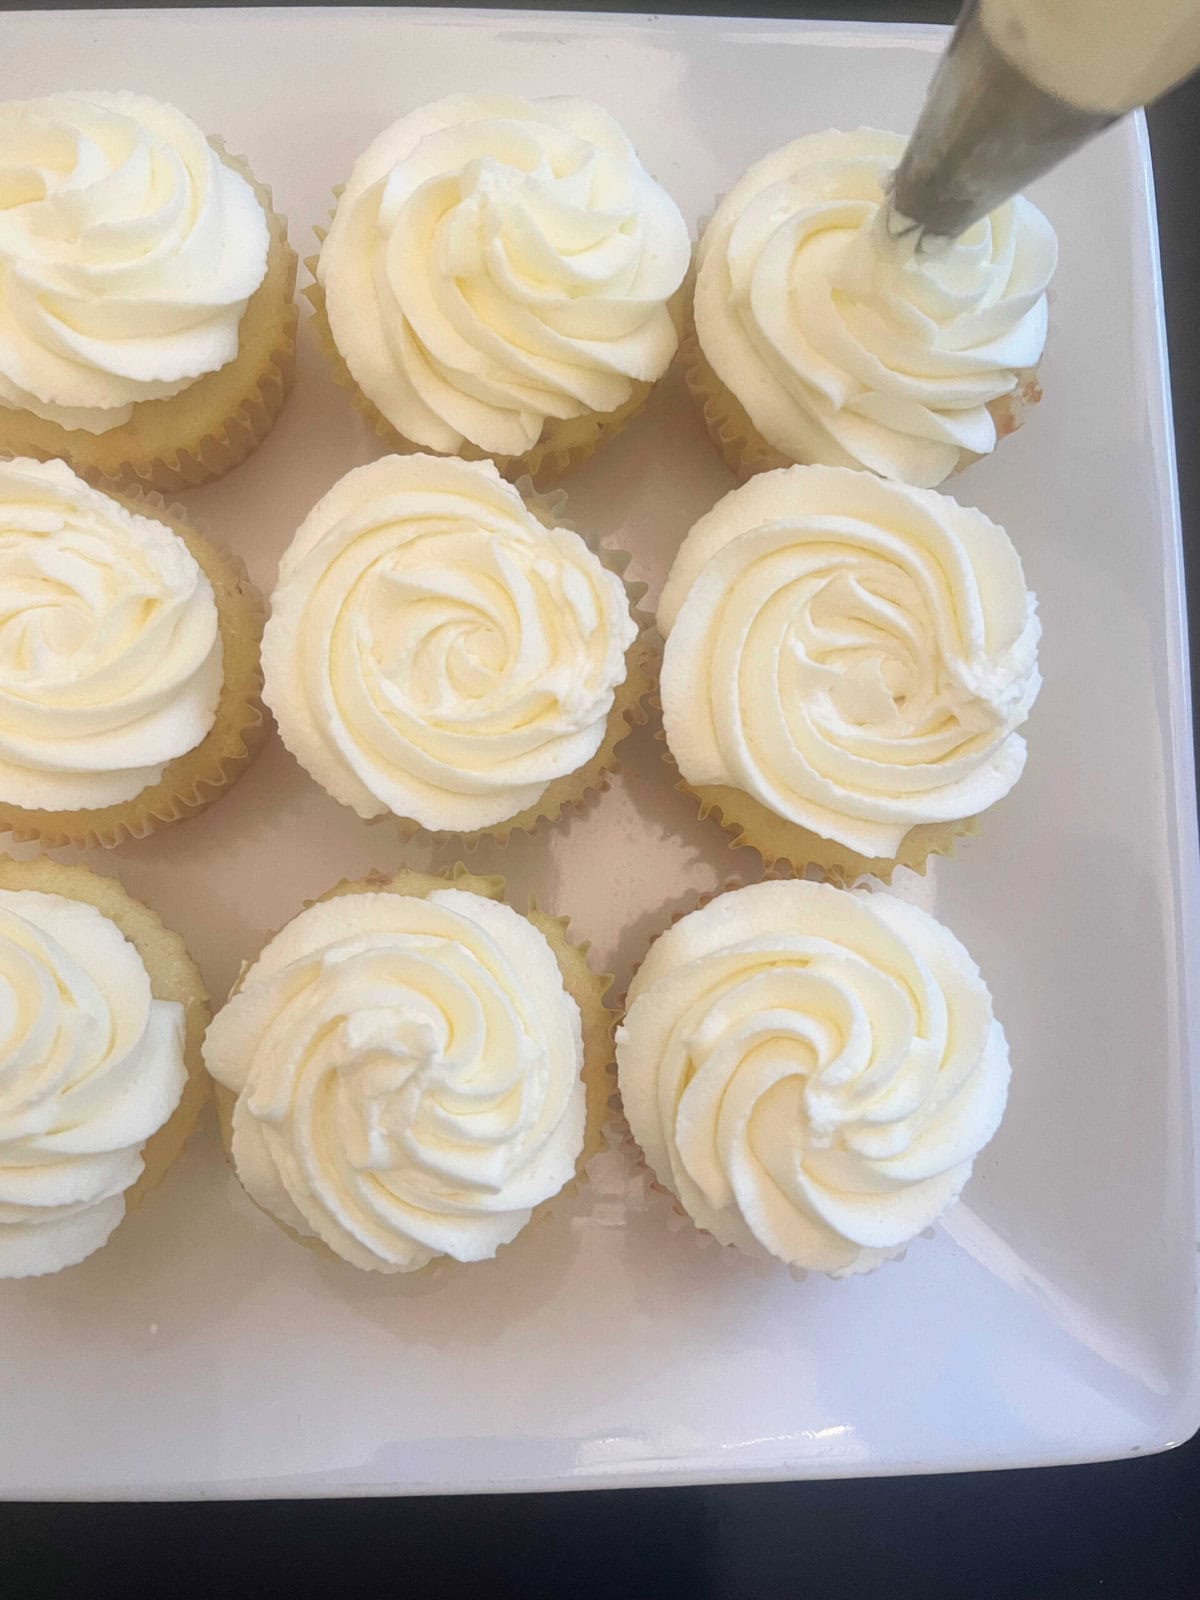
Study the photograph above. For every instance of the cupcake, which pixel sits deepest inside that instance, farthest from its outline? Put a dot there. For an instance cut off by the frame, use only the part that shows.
(101, 1016)
(502, 278)
(819, 338)
(147, 324)
(811, 1071)
(847, 664)
(129, 676)
(410, 1071)
(436, 652)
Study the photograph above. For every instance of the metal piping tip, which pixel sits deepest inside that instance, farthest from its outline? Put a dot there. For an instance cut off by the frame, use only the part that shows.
(985, 133)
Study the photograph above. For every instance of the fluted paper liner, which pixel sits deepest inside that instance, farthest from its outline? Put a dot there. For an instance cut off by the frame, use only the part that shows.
(678, 1219)
(173, 976)
(192, 781)
(587, 988)
(565, 443)
(213, 424)
(744, 450)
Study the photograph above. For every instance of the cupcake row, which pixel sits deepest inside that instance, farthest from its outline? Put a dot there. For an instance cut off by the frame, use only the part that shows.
(410, 1072)
(846, 663)
(500, 278)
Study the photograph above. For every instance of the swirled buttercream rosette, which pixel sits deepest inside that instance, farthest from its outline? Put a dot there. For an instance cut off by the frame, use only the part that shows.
(443, 652)
(101, 1079)
(501, 279)
(810, 1072)
(817, 338)
(410, 1073)
(847, 666)
(147, 334)
(129, 662)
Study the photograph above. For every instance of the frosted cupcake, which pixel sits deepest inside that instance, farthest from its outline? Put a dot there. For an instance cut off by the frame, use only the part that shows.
(147, 324)
(819, 339)
(410, 1071)
(129, 675)
(847, 665)
(436, 652)
(501, 279)
(811, 1071)
(101, 1018)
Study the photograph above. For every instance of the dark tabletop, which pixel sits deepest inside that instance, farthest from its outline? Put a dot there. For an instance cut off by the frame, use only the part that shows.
(1130, 1528)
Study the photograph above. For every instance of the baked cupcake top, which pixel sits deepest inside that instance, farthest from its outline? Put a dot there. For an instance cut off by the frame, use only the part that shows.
(408, 1076)
(811, 1071)
(436, 651)
(128, 251)
(849, 348)
(495, 262)
(110, 654)
(855, 654)
(91, 1065)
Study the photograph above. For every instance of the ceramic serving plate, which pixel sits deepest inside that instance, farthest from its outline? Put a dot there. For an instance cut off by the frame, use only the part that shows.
(1052, 1318)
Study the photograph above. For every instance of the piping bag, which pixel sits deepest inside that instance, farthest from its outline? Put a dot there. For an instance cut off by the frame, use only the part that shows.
(1022, 84)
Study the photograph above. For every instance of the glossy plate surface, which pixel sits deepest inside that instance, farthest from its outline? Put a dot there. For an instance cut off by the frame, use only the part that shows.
(1052, 1319)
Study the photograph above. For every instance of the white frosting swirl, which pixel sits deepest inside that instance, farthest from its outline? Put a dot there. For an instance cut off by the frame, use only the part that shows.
(496, 262)
(128, 251)
(408, 1076)
(812, 1071)
(91, 1065)
(855, 654)
(849, 348)
(110, 654)
(436, 651)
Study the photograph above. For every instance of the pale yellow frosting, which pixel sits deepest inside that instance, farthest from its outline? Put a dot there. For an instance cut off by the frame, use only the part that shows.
(811, 1071)
(110, 650)
(408, 1076)
(855, 654)
(128, 253)
(435, 650)
(91, 1065)
(852, 349)
(496, 262)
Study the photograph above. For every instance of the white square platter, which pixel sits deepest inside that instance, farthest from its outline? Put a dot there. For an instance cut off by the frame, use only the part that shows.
(1052, 1318)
